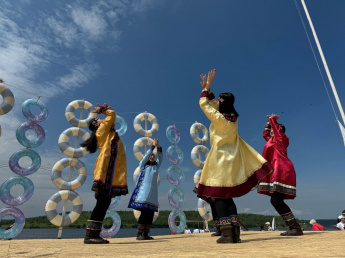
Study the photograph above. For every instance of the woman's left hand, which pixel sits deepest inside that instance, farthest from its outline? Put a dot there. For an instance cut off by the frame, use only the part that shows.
(206, 82)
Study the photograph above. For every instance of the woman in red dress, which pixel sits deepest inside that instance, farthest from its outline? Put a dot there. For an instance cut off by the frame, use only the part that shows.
(281, 184)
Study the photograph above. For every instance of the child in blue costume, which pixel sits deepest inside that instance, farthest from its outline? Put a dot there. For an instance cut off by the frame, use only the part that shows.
(145, 194)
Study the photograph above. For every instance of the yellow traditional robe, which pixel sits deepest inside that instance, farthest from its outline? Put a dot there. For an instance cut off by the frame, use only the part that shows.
(110, 171)
(232, 167)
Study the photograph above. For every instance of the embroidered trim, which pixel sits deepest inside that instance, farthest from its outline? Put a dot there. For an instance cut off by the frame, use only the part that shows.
(133, 203)
(288, 216)
(225, 221)
(277, 187)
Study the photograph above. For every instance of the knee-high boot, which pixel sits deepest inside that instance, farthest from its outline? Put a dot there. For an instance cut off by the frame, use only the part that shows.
(140, 231)
(294, 228)
(218, 232)
(226, 230)
(147, 231)
(93, 229)
(236, 230)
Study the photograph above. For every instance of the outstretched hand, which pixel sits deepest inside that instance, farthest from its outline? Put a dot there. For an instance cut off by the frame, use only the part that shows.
(274, 115)
(100, 107)
(155, 143)
(206, 81)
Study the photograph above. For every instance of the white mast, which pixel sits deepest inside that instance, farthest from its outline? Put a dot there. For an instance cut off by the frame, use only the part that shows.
(324, 62)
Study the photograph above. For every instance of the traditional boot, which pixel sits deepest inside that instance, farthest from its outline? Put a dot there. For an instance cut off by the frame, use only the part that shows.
(140, 232)
(236, 230)
(226, 229)
(218, 232)
(93, 229)
(294, 227)
(147, 231)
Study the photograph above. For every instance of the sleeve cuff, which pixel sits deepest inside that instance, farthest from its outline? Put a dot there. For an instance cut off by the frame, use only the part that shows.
(159, 149)
(208, 94)
(152, 147)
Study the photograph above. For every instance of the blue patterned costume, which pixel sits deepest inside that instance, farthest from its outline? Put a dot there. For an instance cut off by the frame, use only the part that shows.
(145, 194)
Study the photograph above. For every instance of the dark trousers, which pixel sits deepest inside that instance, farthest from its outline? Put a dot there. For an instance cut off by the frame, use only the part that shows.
(277, 200)
(214, 211)
(102, 205)
(224, 207)
(146, 217)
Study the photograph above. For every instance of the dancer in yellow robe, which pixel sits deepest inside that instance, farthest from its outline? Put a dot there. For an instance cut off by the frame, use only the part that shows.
(110, 169)
(232, 167)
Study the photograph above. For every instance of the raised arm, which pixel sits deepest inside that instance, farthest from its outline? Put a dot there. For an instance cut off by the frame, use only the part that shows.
(267, 132)
(160, 154)
(107, 123)
(207, 101)
(109, 120)
(278, 134)
(146, 157)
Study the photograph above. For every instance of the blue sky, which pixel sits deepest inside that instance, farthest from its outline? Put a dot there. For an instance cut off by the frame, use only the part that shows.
(147, 55)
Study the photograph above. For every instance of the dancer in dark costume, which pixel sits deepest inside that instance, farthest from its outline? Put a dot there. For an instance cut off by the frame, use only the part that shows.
(281, 184)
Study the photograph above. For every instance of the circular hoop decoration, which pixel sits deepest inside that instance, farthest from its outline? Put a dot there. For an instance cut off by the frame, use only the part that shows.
(8, 100)
(17, 169)
(55, 218)
(170, 130)
(27, 104)
(194, 133)
(197, 175)
(170, 157)
(64, 142)
(23, 140)
(114, 202)
(19, 222)
(70, 113)
(175, 175)
(61, 165)
(148, 117)
(172, 216)
(137, 173)
(5, 190)
(140, 143)
(137, 214)
(195, 155)
(112, 231)
(123, 125)
(176, 190)
(204, 213)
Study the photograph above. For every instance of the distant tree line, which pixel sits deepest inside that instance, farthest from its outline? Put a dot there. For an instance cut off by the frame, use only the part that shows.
(128, 220)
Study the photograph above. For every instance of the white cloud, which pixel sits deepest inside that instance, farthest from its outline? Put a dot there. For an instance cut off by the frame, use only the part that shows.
(141, 6)
(56, 45)
(78, 75)
(90, 22)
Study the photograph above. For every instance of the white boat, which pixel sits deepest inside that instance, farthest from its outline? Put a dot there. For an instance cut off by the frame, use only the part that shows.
(274, 224)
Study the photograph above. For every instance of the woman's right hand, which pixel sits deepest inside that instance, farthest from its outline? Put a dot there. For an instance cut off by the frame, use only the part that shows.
(273, 115)
(100, 108)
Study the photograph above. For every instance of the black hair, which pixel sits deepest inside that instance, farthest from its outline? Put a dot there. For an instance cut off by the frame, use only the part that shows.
(91, 143)
(227, 106)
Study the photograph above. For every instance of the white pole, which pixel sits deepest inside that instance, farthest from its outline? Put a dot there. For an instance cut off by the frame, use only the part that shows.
(324, 62)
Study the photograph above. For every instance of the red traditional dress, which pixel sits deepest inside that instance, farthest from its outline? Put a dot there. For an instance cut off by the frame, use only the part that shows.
(283, 178)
